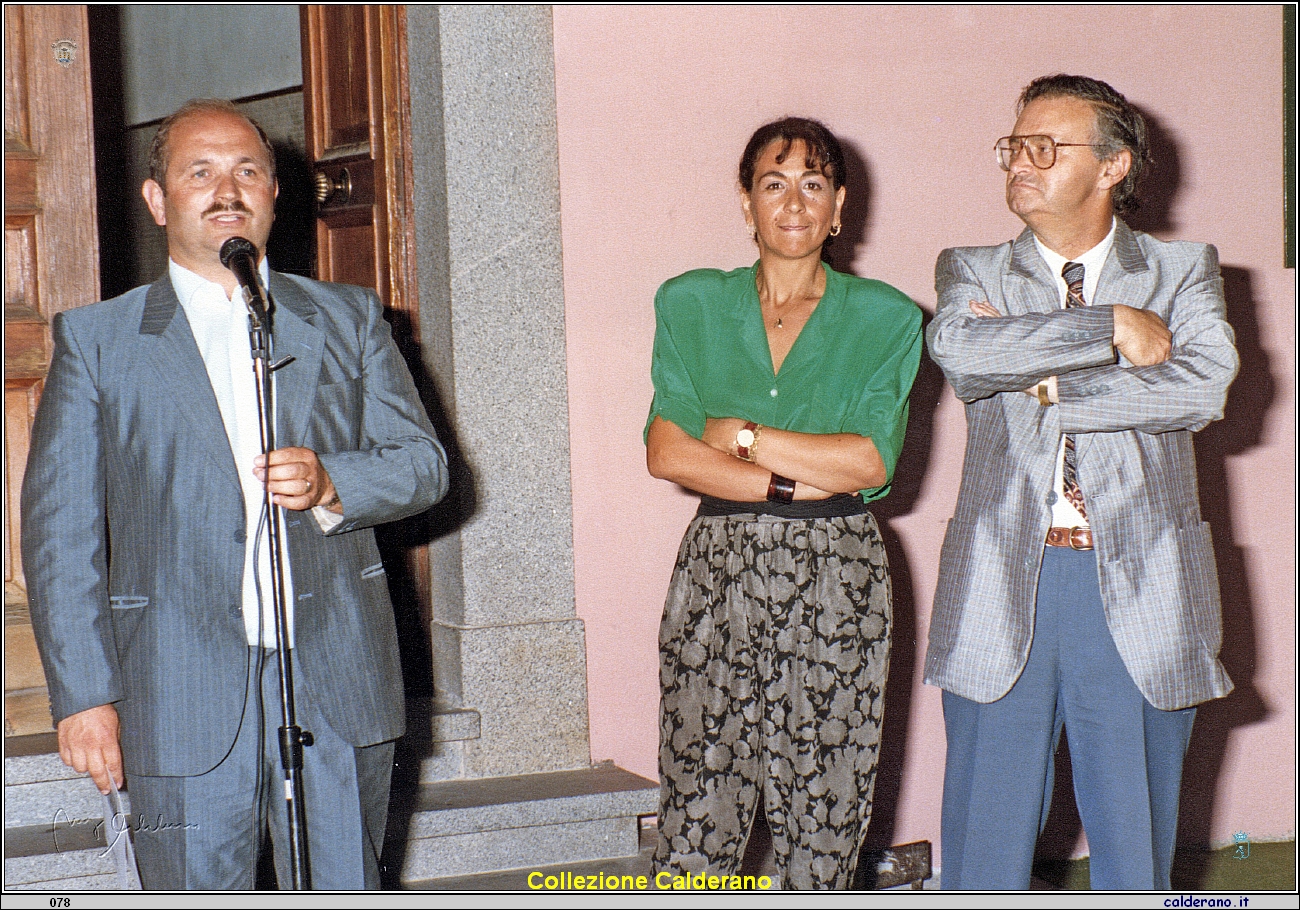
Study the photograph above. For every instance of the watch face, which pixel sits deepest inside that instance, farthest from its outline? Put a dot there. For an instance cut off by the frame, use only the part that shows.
(745, 438)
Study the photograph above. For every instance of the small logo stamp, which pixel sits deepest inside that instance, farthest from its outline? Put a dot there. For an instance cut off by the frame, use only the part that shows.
(65, 51)
(1242, 841)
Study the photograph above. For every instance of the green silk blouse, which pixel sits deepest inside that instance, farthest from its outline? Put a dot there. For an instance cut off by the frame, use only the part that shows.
(850, 370)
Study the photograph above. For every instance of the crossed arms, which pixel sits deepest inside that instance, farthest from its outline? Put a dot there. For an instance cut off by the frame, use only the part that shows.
(1153, 365)
(821, 464)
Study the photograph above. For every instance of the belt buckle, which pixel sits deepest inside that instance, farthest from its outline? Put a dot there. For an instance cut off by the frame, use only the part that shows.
(1076, 538)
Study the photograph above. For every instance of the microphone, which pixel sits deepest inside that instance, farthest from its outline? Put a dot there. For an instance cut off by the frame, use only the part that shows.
(240, 256)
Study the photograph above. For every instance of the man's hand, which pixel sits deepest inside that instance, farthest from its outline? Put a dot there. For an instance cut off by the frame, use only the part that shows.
(88, 743)
(983, 309)
(297, 481)
(1141, 336)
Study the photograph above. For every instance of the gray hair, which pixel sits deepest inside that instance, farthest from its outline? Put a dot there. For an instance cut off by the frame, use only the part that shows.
(1119, 126)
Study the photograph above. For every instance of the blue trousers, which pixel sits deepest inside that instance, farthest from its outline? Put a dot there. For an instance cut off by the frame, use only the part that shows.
(204, 832)
(1127, 755)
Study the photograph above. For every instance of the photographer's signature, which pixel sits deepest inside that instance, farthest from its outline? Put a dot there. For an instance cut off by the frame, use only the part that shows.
(119, 823)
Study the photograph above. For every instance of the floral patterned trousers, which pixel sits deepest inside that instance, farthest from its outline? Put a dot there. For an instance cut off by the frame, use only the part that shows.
(774, 648)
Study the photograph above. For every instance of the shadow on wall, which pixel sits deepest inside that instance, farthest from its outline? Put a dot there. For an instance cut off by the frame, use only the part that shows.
(913, 465)
(840, 251)
(1249, 401)
(397, 539)
(397, 543)
(1160, 184)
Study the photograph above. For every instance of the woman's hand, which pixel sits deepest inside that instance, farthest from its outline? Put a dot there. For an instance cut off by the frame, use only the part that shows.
(839, 462)
(720, 433)
(673, 454)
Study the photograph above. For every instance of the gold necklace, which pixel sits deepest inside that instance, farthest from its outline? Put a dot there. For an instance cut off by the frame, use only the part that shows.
(780, 320)
(758, 280)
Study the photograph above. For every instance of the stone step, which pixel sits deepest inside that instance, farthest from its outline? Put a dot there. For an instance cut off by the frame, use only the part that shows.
(54, 821)
(434, 745)
(468, 827)
(535, 878)
(40, 789)
(80, 870)
(54, 832)
(48, 806)
(432, 720)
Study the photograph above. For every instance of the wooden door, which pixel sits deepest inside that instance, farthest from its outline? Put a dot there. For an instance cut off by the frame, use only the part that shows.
(356, 104)
(357, 111)
(51, 264)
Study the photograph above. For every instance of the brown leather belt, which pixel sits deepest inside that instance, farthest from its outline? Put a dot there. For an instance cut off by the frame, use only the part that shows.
(1074, 538)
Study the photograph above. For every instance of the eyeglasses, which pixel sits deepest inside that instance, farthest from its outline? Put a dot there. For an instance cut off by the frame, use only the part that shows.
(1041, 150)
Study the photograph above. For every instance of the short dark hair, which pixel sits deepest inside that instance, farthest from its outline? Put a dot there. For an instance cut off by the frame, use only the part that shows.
(160, 151)
(823, 150)
(1119, 126)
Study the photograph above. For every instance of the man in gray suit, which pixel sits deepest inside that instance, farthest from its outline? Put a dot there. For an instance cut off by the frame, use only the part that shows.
(1077, 585)
(147, 561)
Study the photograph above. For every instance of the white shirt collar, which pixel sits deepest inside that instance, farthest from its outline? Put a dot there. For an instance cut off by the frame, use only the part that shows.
(187, 284)
(1092, 260)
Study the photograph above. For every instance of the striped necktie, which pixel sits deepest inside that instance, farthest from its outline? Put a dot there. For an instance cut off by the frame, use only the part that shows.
(1073, 275)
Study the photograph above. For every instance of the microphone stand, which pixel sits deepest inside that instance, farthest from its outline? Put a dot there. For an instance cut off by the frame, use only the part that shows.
(292, 738)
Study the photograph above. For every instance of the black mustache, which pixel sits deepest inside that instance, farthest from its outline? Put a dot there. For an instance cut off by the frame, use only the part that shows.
(233, 206)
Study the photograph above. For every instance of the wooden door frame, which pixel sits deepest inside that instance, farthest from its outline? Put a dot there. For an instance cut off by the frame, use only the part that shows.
(372, 149)
(51, 265)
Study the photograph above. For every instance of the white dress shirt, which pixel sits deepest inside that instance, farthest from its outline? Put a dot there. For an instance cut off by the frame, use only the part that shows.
(1064, 514)
(220, 327)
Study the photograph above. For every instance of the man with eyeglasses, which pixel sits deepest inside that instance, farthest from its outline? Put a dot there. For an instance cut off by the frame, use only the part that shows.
(1077, 585)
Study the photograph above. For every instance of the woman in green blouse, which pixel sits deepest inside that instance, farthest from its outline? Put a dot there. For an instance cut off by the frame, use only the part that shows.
(780, 397)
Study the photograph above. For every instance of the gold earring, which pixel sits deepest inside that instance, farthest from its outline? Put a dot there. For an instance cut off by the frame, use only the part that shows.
(835, 230)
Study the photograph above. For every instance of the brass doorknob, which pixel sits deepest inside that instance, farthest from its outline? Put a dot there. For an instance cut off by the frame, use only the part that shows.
(328, 187)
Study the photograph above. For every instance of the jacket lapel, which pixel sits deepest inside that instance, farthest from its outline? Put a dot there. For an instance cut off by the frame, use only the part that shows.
(170, 349)
(1029, 282)
(294, 335)
(1125, 277)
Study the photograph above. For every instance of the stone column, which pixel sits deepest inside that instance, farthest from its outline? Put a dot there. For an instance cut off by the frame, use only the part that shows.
(506, 640)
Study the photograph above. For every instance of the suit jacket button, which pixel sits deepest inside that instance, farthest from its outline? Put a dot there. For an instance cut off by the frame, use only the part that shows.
(241, 535)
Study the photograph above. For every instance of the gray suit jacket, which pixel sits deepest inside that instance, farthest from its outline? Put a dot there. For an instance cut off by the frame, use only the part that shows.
(134, 530)
(1133, 429)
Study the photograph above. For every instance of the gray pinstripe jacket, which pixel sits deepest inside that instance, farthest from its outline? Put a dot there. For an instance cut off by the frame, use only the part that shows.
(1134, 430)
(134, 532)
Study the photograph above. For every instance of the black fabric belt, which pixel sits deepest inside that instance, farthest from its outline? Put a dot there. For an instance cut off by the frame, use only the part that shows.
(837, 506)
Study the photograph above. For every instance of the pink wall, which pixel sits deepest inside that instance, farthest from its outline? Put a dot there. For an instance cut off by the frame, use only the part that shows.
(655, 105)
